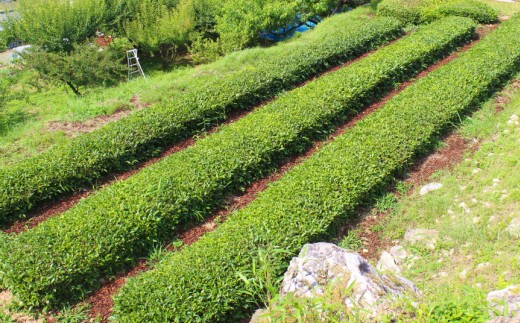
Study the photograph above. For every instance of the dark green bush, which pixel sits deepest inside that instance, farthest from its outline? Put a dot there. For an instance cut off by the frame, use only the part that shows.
(201, 284)
(66, 256)
(404, 10)
(423, 11)
(476, 10)
(121, 144)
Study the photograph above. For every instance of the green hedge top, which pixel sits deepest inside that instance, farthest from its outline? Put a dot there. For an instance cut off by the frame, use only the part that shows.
(423, 11)
(64, 257)
(201, 283)
(118, 145)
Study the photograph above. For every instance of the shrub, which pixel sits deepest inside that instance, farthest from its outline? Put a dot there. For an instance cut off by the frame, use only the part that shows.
(64, 257)
(201, 283)
(119, 145)
(423, 11)
(85, 65)
(476, 10)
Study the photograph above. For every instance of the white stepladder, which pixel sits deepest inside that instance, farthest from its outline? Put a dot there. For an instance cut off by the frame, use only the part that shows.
(133, 64)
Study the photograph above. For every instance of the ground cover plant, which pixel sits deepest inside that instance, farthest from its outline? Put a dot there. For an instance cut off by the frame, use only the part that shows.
(119, 145)
(203, 282)
(64, 257)
(423, 11)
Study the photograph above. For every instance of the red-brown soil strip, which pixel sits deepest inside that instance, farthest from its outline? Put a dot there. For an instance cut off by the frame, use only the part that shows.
(52, 208)
(101, 300)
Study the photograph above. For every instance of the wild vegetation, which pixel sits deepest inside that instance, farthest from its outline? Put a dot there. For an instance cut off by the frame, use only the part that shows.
(423, 11)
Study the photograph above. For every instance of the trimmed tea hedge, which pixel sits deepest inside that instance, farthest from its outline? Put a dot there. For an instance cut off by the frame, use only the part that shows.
(422, 11)
(119, 145)
(200, 284)
(64, 257)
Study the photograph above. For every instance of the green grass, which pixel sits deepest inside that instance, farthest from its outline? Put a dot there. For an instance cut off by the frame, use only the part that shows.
(487, 183)
(503, 8)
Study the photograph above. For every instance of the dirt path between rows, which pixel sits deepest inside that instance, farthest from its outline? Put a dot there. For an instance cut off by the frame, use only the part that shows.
(101, 300)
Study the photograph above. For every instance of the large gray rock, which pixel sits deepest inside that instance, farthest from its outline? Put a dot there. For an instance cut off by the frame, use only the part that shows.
(321, 264)
(509, 297)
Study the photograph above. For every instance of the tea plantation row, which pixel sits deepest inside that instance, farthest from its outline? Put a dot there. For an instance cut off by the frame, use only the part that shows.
(117, 146)
(66, 256)
(423, 11)
(201, 283)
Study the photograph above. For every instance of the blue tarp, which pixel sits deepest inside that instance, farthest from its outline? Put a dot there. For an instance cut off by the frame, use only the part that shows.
(282, 34)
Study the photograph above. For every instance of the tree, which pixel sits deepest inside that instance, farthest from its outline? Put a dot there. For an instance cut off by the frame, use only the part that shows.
(158, 28)
(55, 25)
(83, 66)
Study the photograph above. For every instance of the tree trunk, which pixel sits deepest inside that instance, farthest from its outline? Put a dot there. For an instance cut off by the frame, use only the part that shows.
(73, 88)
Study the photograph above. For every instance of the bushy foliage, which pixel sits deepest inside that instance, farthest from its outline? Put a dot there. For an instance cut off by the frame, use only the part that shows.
(158, 28)
(202, 283)
(56, 25)
(117, 224)
(83, 66)
(423, 11)
(121, 144)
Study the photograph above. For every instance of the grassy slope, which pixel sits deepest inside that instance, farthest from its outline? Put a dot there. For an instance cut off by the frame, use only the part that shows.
(58, 104)
(484, 256)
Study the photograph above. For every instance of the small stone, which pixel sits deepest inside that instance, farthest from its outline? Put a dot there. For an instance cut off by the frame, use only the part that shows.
(476, 220)
(482, 265)
(514, 228)
(387, 263)
(443, 274)
(430, 188)
(428, 236)
(399, 254)
(474, 201)
(260, 316)
(509, 297)
(476, 171)
(496, 180)
(463, 274)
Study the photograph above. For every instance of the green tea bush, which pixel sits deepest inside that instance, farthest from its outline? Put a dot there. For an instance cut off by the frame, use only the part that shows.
(66, 256)
(121, 144)
(423, 11)
(474, 9)
(201, 283)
